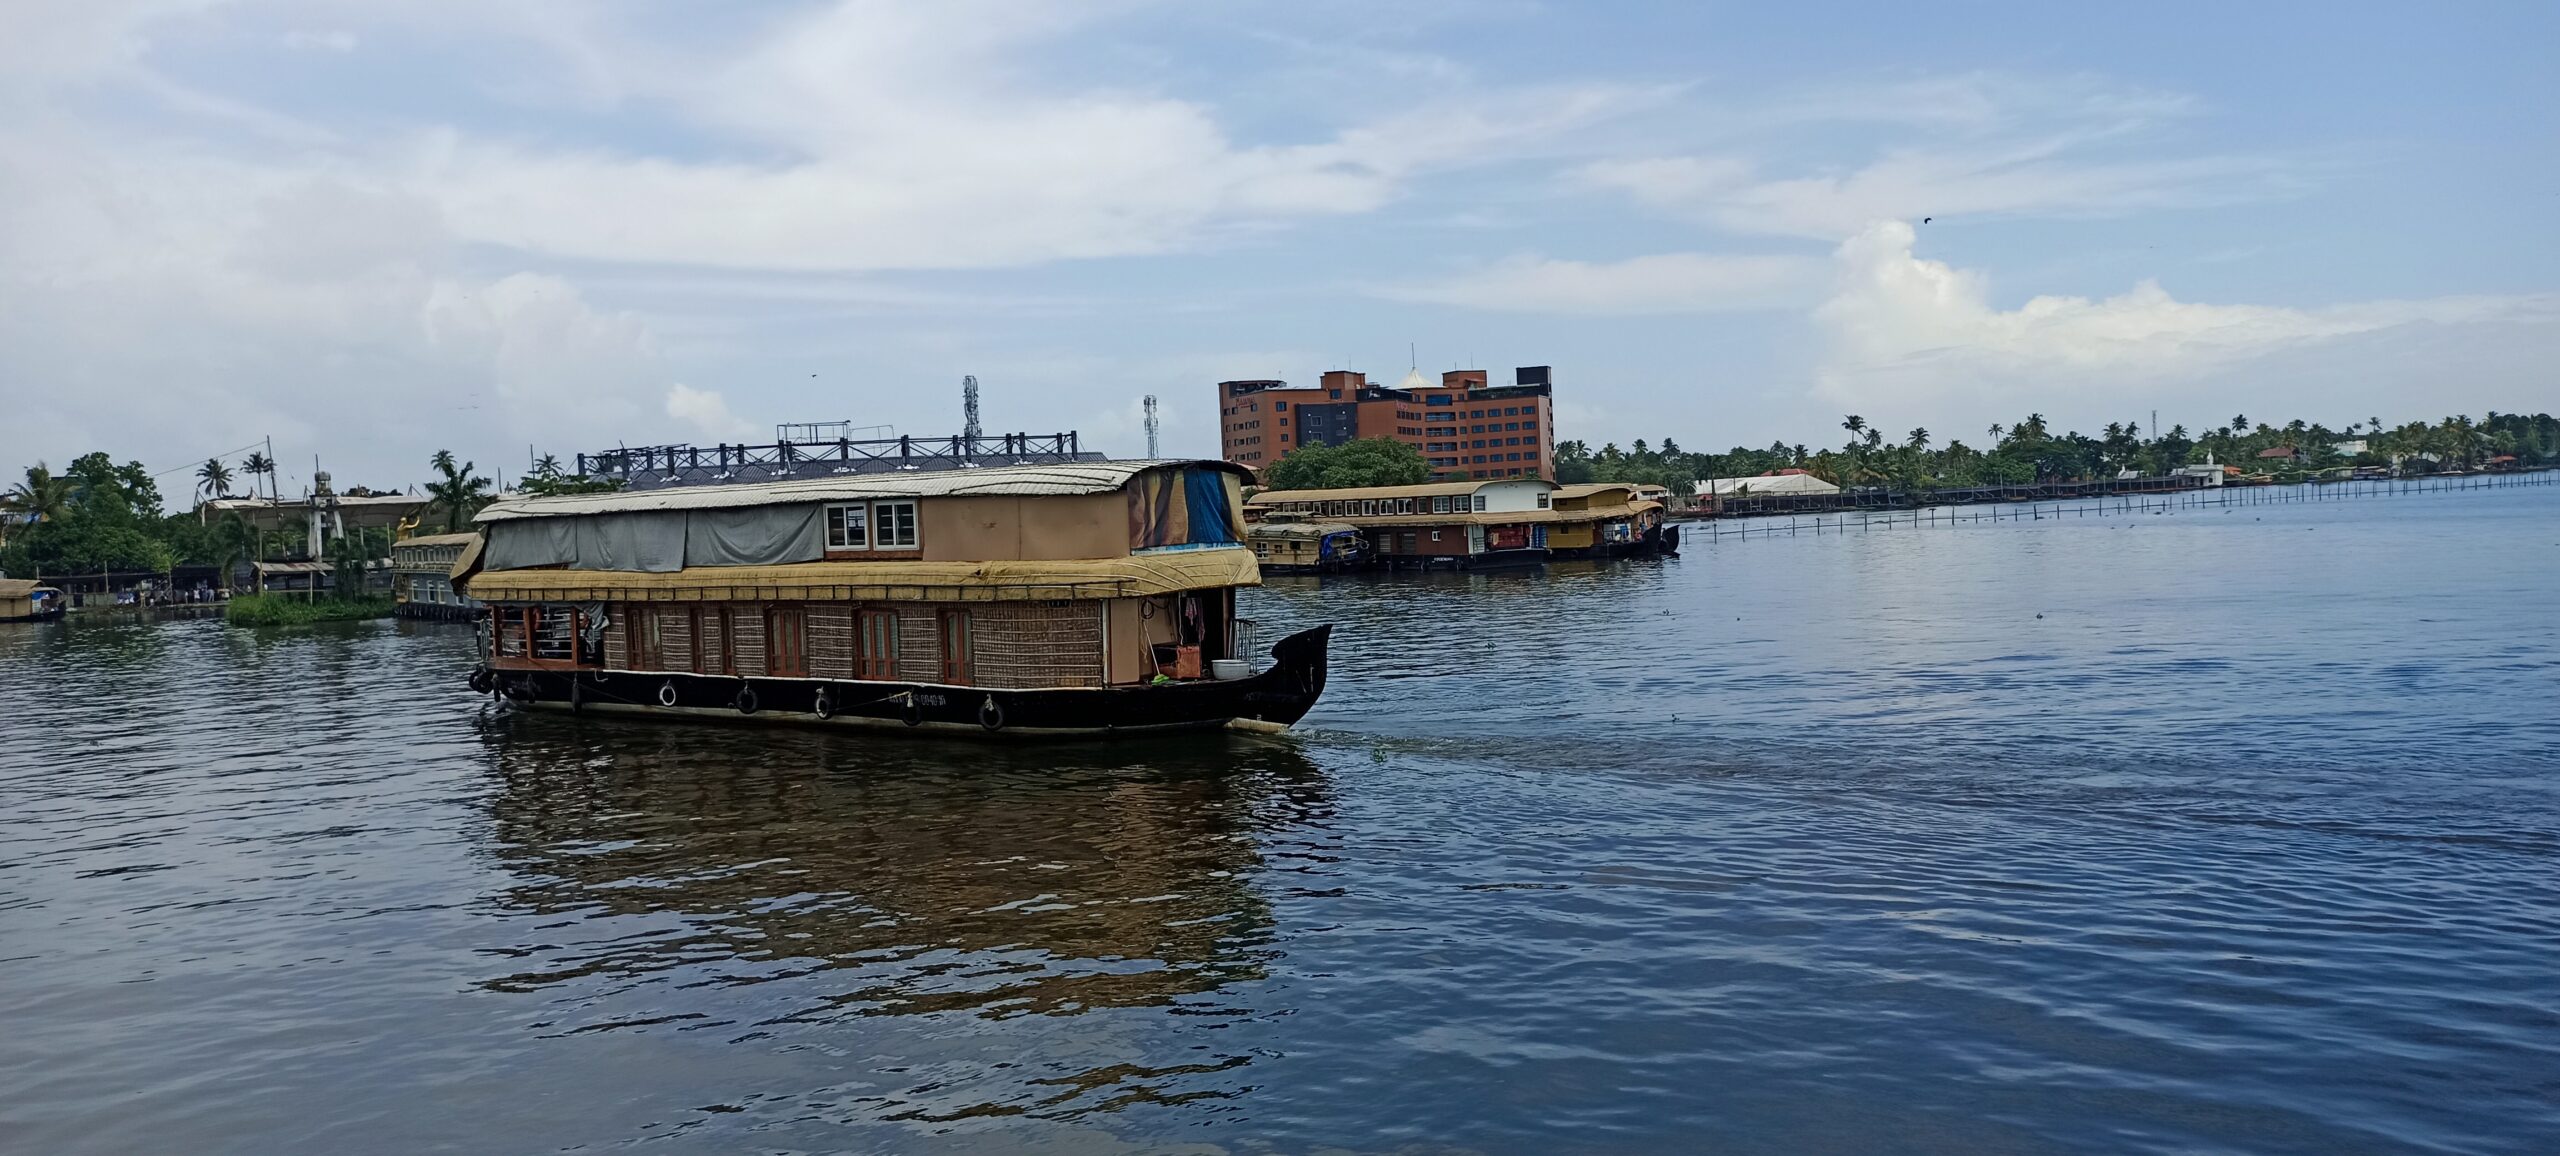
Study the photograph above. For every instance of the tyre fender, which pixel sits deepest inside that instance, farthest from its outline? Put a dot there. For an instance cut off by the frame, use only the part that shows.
(991, 714)
(667, 693)
(746, 700)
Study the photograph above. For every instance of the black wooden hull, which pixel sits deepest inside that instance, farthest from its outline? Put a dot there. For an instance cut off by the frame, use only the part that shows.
(1271, 700)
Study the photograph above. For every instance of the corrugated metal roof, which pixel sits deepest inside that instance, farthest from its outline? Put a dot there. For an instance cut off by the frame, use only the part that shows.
(1364, 493)
(435, 540)
(1586, 489)
(1051, 480)
(1767, 484)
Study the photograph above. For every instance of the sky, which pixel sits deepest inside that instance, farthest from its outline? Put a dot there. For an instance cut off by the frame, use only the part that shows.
(372, 230)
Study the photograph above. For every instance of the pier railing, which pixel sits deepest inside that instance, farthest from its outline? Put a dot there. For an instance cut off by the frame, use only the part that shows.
(1862, 521)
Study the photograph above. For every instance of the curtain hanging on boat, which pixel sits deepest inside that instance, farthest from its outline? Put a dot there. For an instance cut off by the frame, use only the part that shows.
(660, 541)
(755, 536)
(1185, 507)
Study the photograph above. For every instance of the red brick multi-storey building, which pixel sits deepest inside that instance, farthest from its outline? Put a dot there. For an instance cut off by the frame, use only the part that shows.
(1464, 426)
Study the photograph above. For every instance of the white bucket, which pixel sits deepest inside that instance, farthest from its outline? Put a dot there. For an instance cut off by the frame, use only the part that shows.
(1229, 669)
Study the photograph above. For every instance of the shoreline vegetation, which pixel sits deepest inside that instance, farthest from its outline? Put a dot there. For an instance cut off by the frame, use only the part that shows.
(2027, 452)
(294, 610)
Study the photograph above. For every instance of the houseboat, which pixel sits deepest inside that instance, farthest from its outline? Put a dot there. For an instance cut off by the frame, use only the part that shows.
(26, 600)
(1078, 599)
(1467, 525)
(1288, 544)
(1607, 520)
(422, 577)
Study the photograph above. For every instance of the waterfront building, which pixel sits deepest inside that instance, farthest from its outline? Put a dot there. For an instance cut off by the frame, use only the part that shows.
(323, 516)
(422, 576)
(1466, 427)
(1072, 599)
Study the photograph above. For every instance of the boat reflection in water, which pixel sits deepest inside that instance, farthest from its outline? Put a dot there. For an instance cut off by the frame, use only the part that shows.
(657, 870)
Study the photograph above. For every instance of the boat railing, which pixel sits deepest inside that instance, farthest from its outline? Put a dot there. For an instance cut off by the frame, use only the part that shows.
(1244, 640)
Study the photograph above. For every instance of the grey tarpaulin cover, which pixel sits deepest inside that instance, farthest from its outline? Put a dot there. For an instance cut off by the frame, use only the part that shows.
(661, 541)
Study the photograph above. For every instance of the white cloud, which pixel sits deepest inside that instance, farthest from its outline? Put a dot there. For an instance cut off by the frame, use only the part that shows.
(1909, 334)
(707, 412)
(1659, 283)
(918, 136)
(2026, 180)
(1968, 145)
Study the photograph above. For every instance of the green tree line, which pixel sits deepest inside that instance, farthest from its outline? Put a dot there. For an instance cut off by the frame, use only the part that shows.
(97, 515)
(2030, 451)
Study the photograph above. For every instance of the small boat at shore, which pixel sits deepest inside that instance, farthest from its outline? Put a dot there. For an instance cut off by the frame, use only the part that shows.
(1072, 600)
(1290, 546)
(26, 600)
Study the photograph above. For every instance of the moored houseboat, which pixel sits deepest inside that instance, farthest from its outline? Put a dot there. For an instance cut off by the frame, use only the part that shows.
(1467, 525)
(1286, 544)
(26, 600)
(1063, 600)
(422, 577)
(1606, 520)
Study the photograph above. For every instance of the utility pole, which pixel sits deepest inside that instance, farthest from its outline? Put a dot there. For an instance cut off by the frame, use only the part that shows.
(1151, 426)
(969, 409)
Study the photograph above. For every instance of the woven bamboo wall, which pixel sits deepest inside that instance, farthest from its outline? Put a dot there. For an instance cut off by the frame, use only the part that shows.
(831, 643)
(919, 646)
(749, 644)
(617, 638)
(1030, 646)
(675, 633)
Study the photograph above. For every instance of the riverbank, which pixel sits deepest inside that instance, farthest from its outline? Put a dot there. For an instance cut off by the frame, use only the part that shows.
(288, 610)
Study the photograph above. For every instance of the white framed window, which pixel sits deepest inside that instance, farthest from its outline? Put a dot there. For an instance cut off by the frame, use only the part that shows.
(1440, 505)
(894, 525)
(849, 527)
(1479, 503)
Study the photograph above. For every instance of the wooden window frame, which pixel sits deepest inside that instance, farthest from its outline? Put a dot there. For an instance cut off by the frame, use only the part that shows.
(959, 663)
(880, 523)
(835, 525)
(529, 620)
(648, 639)
(780, 660)
(867, 667)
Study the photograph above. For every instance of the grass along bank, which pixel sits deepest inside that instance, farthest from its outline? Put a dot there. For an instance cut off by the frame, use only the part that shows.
(290, 610)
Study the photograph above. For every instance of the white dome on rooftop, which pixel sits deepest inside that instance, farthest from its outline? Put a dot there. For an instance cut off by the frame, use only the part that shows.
(1413, 379)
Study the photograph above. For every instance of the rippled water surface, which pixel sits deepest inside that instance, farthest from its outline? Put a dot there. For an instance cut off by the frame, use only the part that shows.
(2210, 831)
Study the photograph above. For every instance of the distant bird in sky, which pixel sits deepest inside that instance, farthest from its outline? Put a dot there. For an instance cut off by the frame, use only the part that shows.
(1926, 220)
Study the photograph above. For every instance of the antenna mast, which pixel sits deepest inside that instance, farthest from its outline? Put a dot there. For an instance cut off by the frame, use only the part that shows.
(1151, 426)
(969, 407)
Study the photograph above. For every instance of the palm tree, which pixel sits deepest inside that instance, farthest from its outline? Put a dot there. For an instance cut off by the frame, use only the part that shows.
(460, 493)
(256, 464)
(213, 479)
(42, 497)
(548, 467)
